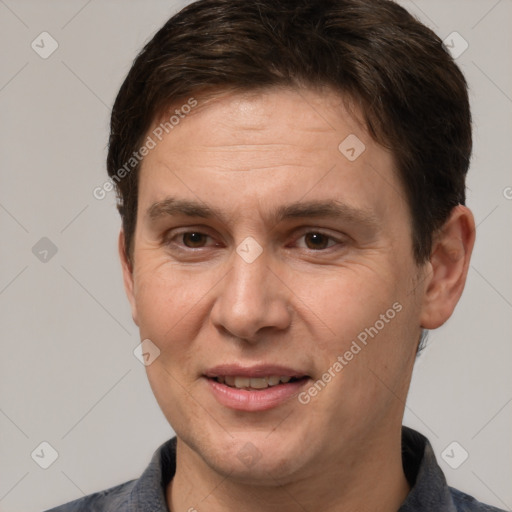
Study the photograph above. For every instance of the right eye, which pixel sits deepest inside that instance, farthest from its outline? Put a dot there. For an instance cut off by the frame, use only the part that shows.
(188, 240)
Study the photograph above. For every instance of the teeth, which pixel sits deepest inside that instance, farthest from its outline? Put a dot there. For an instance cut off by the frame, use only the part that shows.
(242, 382)
(252, 382)
(260, 383)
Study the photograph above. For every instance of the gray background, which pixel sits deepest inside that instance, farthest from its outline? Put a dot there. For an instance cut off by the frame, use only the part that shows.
(68, 375)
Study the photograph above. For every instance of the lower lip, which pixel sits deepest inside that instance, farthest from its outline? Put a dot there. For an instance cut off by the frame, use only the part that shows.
(257, 400)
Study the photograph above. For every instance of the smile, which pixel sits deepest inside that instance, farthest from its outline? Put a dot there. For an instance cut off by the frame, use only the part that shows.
(256, 388)
(254, 383)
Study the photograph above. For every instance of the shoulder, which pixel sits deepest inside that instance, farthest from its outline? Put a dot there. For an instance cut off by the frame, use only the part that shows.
(112, 499)
(145, 493)
(465, 503)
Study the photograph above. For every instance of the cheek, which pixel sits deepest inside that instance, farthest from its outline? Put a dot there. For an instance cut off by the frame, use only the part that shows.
(371, 319)
(352, 299)
(168, 303)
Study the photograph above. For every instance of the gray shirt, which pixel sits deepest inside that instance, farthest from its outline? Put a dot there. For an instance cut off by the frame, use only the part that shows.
(429, 490)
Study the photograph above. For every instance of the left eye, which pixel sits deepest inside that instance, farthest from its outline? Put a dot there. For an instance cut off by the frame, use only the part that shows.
(194, 239)
(317, 241)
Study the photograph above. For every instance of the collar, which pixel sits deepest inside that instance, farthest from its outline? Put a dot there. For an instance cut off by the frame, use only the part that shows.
(429, 490)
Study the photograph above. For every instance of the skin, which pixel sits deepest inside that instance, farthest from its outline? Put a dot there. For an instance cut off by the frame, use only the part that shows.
(301, 303)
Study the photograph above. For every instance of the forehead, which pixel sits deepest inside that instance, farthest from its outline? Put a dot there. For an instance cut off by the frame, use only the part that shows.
(259, 147)
(275, 114)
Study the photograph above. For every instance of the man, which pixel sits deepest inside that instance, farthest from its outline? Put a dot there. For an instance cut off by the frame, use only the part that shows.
(291, 181)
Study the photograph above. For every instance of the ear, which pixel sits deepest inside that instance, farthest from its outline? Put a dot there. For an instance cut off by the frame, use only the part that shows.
(127, 269)
(449, 264)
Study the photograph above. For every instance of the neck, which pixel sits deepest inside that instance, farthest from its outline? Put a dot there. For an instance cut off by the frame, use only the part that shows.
(370, 479)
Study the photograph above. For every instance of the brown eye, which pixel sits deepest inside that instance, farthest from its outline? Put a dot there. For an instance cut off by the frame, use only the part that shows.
(316, 240)
(194, 240)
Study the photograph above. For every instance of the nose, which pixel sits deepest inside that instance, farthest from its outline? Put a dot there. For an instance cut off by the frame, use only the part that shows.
(251, 300)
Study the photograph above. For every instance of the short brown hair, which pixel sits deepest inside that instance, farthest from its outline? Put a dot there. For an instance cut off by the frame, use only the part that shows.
(411, 93)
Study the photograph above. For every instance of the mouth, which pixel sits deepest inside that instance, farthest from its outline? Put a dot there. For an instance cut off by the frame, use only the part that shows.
(256, 388)
(256, 383)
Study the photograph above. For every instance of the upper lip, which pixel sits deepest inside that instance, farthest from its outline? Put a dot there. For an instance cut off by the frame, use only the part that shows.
(260, 370)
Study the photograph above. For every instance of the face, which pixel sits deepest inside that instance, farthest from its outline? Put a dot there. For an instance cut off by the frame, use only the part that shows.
(274, 272)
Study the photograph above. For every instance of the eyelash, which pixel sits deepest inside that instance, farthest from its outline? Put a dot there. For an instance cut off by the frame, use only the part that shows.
(168, 240)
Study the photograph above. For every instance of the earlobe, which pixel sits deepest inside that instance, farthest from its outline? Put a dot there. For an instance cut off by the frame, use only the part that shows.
(449, 264)
(128, 278)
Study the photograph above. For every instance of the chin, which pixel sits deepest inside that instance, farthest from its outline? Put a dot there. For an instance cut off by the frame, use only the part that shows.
(266, 468)
(250, 457)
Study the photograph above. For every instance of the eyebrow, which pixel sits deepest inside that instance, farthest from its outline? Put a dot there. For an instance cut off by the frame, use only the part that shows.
(301, 209)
